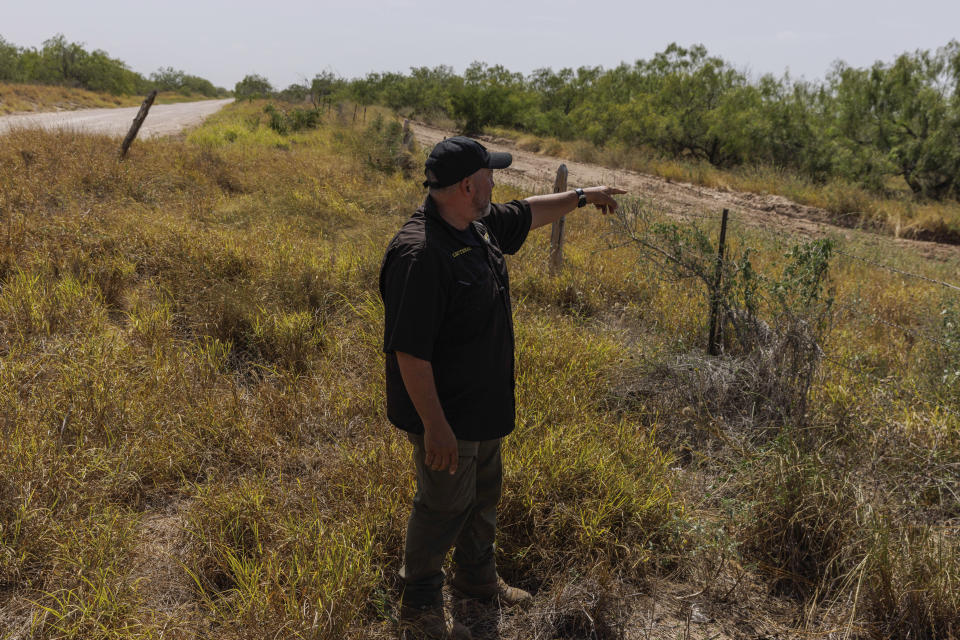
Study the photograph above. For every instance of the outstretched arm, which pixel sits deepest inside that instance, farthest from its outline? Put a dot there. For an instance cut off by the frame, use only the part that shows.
(551, 207)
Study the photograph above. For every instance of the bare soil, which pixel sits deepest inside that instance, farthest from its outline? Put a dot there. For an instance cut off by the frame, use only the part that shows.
(772, 212)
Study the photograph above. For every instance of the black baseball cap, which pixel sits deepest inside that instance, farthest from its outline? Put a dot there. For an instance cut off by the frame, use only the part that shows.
(455, 158)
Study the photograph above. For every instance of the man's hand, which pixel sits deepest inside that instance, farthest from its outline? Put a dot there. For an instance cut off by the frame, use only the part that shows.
(441, 448)
(602, 198)
(438, 440)
(551, 207)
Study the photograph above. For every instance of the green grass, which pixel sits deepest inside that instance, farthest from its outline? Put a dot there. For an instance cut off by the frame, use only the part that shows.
(197, 329)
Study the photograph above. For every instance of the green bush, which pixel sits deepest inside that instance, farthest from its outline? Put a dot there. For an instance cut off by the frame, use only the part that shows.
(66, 63)
(293, 120)
(170, 79)
(861, 125)
(252, 87)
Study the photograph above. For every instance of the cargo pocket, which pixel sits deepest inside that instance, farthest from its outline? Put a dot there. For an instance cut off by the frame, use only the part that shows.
(438, 491)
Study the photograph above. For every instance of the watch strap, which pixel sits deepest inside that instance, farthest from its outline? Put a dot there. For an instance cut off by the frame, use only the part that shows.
(581, 197)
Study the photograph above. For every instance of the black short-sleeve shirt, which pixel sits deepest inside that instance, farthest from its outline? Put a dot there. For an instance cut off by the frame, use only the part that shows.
(446, 299)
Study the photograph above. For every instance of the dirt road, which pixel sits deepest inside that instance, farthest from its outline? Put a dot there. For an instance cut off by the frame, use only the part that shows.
(536, 172)
(164, 119)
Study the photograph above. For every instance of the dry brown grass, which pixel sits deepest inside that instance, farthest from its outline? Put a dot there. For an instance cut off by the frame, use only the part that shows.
(190, 374)
(26, 98)
(849, 205)
(198, 325)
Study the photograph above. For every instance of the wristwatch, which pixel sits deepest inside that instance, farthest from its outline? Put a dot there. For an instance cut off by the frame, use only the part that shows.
(582, 202)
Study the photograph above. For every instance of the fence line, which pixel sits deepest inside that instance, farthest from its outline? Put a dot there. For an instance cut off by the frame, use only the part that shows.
(778, 236)
(697, 216)
(641, 238)
(635, 239)
(902, 272)
(878, 320)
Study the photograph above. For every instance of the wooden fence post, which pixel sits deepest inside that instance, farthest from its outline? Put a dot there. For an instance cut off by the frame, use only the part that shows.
(407, 136)
(137, 121)
(717, 278)
(556, 232)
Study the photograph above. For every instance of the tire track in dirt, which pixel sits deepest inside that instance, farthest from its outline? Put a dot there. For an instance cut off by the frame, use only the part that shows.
(767, 211)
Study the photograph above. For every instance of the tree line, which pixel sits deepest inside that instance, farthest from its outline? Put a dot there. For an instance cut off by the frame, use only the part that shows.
(60, 62)
(874, 126)
(891, 123)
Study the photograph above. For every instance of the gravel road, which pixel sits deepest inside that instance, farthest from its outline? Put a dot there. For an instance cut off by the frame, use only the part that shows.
(163, 119)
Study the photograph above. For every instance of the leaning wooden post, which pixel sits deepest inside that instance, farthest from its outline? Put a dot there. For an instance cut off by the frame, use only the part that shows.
(407, 139)
(556, 233)
(717, 278)
(137, 121)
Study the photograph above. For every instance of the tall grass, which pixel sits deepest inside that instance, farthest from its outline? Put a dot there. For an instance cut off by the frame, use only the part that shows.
(196, 332)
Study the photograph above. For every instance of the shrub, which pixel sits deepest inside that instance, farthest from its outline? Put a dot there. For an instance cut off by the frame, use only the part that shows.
(70, 64)
(253, 87)
(276, 121)
(770, 328)
(293, 120)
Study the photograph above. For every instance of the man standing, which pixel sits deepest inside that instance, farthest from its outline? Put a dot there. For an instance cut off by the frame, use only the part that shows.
(448, 339)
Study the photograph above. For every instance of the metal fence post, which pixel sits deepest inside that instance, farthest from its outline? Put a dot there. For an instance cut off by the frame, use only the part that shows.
(556, 233)
(715, 293)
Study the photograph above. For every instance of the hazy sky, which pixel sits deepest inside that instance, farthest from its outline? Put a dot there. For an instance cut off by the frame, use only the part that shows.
(290, 40)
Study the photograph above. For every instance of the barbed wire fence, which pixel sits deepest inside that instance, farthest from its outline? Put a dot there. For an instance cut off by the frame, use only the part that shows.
(661, 257)
(901, 272)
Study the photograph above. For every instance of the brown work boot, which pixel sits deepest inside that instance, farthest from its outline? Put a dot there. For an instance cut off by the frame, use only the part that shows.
(504, 593)
(430, 623)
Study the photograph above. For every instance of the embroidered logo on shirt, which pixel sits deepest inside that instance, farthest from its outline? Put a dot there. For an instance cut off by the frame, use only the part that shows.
(482, 231)
(460, 252)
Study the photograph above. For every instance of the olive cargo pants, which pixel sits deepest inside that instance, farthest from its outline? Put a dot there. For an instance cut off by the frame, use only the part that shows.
(457, 511)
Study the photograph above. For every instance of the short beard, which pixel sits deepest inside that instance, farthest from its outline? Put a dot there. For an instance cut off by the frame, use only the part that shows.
(482, 208)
